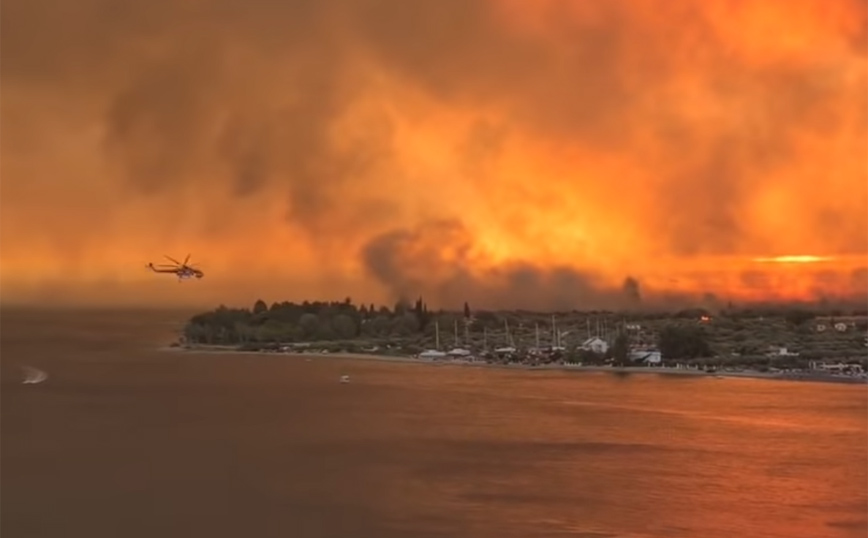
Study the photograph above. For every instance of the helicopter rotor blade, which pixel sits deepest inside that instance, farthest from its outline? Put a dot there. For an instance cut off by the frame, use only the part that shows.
(187, 259)
(173, 260)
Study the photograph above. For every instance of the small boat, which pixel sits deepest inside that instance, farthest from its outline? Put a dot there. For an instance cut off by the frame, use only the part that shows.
(32, 376)
(345, 379)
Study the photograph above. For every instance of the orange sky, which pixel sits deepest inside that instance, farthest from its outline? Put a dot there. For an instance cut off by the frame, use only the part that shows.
(509, 152)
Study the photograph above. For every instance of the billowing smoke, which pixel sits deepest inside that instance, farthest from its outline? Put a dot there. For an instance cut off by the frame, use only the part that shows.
(437, 261)
(537, 154)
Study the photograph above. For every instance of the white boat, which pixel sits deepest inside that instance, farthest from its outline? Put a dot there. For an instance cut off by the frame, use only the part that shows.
(33, 376)
(345, 379)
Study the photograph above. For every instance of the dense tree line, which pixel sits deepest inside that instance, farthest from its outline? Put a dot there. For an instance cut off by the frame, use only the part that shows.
(289, 322)
(310, 321)
(679, 336)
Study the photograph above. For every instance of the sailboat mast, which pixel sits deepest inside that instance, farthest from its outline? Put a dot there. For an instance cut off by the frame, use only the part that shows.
(437, 337)
(536, 328)
(456, 333)
(555, 342)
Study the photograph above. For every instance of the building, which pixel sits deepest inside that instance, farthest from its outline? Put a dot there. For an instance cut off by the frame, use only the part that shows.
(646, 356)
(781, 352)
(596, 345)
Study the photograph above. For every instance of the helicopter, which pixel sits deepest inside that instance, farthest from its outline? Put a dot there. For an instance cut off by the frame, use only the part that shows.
(182, 270)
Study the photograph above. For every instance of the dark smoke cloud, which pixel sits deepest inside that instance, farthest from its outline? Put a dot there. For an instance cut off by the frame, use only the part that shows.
(436, 261)
(632, 290)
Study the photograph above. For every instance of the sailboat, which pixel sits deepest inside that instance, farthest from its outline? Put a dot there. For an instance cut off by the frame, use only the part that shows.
(556, 337)
(536, 348)
(509, 349)
(458, 351)
(434, 353)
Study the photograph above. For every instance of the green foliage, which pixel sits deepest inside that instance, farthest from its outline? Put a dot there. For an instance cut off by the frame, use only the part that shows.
(678, 342)
(620, 350)
(735, 336)
(796, 317)
(405, 324)
(260, 307)
(344, 327)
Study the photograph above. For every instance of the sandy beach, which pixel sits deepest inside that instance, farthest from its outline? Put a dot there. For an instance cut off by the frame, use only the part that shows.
(617, 370)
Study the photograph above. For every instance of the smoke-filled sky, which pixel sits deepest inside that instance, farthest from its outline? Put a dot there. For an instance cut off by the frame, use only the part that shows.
(544, 153)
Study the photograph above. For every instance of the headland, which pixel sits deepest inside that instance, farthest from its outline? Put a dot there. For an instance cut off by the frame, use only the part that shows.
(770, 343)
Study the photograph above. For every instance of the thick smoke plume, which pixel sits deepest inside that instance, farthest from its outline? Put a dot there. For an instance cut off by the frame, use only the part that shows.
(538, 154)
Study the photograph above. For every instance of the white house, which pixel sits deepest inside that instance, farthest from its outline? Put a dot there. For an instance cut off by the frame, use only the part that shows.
(595, 344)
(781, 352)
(646, 356)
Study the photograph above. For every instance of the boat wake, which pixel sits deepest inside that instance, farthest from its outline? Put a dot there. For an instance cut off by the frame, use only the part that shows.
(32, 376)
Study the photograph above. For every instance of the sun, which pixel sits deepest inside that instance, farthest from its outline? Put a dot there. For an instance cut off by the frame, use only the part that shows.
(794, 259)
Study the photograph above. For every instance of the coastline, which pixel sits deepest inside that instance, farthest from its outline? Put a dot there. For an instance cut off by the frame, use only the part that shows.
(615, 370)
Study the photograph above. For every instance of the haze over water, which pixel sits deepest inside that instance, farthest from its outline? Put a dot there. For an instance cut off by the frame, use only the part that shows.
(123, 440)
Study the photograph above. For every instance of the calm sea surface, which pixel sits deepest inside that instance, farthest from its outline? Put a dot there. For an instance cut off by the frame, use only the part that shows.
(125, 441)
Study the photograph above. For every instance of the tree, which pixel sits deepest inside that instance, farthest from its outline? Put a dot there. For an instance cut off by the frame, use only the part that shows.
(401, 307)
(271, 331)
(798, 317)
(376, 326)
(309, 324)
(325, 331)
(344, 326)
(621, 350)
(683, 342)
(260, 307)
(421, 312)
(405, 325)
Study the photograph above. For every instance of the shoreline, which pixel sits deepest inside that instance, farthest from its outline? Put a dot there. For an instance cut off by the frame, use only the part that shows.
(615, 370)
